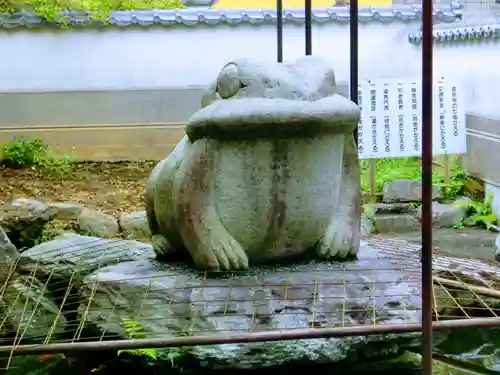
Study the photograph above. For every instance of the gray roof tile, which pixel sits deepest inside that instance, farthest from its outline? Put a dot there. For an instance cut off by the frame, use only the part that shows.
(464, 33)
(196, 16)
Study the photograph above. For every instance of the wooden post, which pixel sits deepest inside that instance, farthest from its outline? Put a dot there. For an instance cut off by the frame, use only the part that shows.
(373, 163)
(446, 166)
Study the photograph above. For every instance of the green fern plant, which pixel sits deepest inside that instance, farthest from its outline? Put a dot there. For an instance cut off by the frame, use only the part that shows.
(480, 213)
(134, 330)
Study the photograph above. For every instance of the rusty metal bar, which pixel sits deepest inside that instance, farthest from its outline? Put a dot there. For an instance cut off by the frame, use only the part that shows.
(279, 30)
(308, 15)
(354, 62)
(298, 334)
(427, 283)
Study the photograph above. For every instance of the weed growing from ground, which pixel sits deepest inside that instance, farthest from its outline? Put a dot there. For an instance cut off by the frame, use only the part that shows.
(409, 168)
(134, 330)
(34, 153)
(480, 213)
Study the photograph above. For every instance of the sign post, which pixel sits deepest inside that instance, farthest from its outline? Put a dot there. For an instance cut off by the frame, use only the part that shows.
(391, 121)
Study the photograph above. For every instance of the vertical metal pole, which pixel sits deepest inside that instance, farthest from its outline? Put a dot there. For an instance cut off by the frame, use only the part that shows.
(279, 29)
(308, 14)
(427, 101)
(354, 41)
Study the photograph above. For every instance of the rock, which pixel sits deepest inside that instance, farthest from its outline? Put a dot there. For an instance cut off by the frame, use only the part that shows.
(54, 364)
(393, 223)
(8, 252)
(448, 215)
(24, 221)
(497, 248)
(135, 224)
(478, 347)
(67, 211)
(277, 148)
(29, 310)
(97, 224)
(473, 187)
(373, 209)
(74, 255)
(406, 191)
(66, 234)
(9, 257)
(30, 205)
(367, 227)
(167, 300)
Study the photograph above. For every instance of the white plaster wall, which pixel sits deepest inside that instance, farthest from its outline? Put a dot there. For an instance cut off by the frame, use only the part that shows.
(148, 58)
(484, 90)
(132, 58)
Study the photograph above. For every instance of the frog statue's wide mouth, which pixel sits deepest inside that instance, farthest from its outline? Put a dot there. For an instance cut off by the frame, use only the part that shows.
(238, 106)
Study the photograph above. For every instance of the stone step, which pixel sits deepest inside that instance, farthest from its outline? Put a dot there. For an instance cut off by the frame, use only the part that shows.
(406, 191)
(370, 210)
(447, 215)
(393, 223)
(366, 227)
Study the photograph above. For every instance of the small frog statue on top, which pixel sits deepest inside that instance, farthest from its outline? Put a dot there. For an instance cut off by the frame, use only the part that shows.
(267, 172)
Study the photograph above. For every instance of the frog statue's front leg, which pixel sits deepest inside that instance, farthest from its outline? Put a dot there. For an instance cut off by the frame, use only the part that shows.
(341, 239)
(204, 235)
(159, 205)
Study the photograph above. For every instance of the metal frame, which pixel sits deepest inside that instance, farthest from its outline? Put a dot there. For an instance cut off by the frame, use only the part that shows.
(240, 338)
(427, 288)
(427, 326)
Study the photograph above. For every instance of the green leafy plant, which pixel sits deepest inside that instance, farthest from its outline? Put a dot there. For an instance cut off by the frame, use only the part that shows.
(387, 170)
(54, 165)
(439, 368)
(52, 9)
(456, 186)
(34, 153)
(22, 152)
(174, 355)
(480, 213)
(409, 168)
(134, 330)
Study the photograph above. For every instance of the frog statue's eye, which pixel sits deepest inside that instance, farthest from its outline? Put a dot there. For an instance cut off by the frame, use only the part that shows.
(228, 81)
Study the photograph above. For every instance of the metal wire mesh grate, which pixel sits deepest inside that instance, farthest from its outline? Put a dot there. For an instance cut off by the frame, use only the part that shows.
(90, 292)
(464, 287)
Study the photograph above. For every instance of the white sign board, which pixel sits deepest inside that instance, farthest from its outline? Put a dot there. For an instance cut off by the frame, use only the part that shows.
(391, 124)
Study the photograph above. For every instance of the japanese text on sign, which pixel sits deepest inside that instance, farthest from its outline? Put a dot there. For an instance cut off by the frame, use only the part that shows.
(391, 124)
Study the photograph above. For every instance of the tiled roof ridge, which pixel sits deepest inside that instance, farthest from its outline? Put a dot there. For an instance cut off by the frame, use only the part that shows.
(462, 33)
(209, 16)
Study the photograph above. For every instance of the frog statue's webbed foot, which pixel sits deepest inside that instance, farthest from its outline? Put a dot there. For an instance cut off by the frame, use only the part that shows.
(210, 245)
(337, 241)
(161, 246)
(214, 247)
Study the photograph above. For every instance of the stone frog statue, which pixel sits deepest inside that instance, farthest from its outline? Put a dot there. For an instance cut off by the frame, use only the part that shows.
(268, 171)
